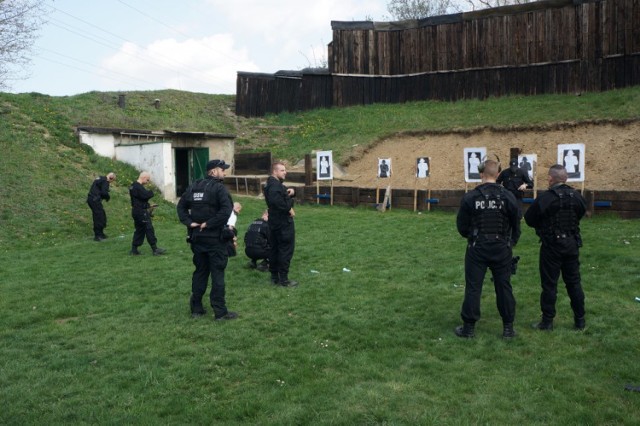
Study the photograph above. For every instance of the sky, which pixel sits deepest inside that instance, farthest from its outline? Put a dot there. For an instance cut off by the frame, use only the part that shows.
(191, 45)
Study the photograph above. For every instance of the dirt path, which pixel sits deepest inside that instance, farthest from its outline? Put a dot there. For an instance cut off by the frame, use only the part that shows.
(612, 155)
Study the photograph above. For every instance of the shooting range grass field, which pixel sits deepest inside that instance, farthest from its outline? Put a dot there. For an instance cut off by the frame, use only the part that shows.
(90, 335)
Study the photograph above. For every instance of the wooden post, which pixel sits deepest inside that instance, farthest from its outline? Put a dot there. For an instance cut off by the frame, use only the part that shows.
(331, 191)
(590, 198)
(386, 200)
(387, 195)
(415, 195)
(429, 185)
(308, 170)
(535, 180)
(317, 192)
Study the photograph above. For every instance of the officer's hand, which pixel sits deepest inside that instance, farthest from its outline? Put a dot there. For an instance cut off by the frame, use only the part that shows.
(291, 192)
(203, 225)
(292, 213)
(194, 225)
(522, 187)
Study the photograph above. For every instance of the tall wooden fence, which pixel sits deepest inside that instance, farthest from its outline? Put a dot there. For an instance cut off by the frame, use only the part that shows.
(554, 46)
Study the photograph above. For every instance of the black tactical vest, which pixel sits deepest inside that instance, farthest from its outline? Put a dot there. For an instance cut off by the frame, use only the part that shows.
(202, 199)
(490, 215)
(563, 221)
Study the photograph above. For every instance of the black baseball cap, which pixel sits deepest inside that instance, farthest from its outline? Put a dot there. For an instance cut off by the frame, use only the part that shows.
(214, 164)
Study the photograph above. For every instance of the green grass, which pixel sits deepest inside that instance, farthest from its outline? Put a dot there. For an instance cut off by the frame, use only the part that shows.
(91, 335)
(97, 336)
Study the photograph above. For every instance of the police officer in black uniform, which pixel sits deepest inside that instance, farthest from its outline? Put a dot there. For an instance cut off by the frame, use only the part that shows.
(99, 191)
(204, 209)
(489, 218)
(556, 215)
(282, 231)
(256, 243)
(141, 214)
(515, 179)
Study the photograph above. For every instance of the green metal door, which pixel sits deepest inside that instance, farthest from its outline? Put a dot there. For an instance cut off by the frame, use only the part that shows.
(198, 159)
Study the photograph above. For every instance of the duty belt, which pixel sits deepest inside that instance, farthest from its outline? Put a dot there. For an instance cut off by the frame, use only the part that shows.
(492, 236)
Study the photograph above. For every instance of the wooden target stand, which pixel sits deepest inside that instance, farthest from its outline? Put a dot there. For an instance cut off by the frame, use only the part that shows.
(386, 201)
(415, 190)
(324, 196)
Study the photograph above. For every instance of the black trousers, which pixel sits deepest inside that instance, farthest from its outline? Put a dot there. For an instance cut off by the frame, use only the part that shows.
(143, 228)
(210, 259)
(495, 255)
(283, 242)
(256, 253)
(99, 217)
(561, 256)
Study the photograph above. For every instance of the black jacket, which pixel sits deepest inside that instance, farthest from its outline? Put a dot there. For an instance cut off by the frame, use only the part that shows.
(140, 197)
(257, 236)
(99, 189)
(278, 202)
(513, 180)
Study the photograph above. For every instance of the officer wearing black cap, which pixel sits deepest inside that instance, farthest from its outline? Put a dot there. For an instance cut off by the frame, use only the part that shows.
(556, 215)
(204, 209)
(514, 179)
(489, 218)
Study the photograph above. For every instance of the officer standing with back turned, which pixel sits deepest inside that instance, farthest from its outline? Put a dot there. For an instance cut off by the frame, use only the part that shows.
(489, 218)
(556, 215)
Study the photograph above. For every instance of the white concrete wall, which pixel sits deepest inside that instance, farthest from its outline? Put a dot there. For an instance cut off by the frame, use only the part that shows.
(155, 158)
(102, 144)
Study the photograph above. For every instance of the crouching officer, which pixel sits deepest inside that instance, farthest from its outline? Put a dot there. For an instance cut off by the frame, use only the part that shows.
(256, 242)
(556, 215)
(205, 208)
(489, 218)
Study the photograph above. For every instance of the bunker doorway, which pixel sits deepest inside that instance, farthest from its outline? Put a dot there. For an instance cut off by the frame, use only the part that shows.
(191, 164)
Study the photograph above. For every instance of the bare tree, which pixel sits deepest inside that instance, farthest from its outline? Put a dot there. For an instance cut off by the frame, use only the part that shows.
(485, 4)
(417, 9)
(20, 21)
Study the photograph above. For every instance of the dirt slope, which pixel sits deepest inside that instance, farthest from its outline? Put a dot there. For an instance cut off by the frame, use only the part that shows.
(612, 155)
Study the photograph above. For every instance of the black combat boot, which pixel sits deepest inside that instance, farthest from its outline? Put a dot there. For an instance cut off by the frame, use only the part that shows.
(197, 310)
(507, 330)
(579, 323)
(544, 325)
(466, 330)
(284, 281)
(157, 251)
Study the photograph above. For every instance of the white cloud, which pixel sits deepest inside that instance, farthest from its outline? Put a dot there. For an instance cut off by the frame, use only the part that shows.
(286, 34)
(208, 64)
